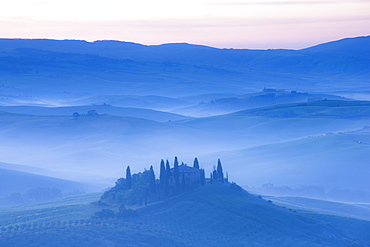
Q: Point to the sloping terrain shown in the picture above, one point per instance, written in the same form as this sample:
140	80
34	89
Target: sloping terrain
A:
354	210
105	144
12	181
101	145
286	122
100	110
216	215
268	97
48	70
332	161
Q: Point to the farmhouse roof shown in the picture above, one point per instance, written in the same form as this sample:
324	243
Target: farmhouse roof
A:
185	168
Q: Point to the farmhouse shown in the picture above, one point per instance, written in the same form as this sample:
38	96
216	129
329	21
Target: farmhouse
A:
188	175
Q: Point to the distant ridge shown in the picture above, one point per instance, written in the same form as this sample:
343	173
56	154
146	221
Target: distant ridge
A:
323	108
9	182
349	44
342	58
357	44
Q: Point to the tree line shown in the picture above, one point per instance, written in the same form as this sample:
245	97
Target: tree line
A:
144	187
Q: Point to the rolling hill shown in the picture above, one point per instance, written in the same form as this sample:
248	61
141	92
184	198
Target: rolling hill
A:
41	71
285	122
216	215
12	181
102	145
358	46
353	210
336	164
101	109
105	144
234	103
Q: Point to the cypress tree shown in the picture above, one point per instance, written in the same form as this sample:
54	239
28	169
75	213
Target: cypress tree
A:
214	173
128	178
162	175
152	180
176	174
167	178
196	163
211	178
202	177
168	170
220	173
183	182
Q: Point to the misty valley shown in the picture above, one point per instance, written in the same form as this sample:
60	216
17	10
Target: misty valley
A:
112	143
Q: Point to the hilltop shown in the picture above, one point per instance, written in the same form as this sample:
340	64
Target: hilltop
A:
60	71
215	215
19	187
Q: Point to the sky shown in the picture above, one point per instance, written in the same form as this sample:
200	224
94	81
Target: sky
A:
254	24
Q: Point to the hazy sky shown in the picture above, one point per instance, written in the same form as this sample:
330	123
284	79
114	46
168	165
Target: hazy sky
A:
219	23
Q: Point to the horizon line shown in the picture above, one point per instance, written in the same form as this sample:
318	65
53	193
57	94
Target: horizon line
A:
181	43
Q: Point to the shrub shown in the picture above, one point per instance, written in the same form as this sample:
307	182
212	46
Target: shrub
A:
104	213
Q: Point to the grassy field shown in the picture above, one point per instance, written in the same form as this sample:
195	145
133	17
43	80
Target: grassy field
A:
352	210
70	208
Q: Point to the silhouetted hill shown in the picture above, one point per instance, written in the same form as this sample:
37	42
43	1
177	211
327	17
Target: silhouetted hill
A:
101	109
12	181
360	46
214	215
24	168
175	51
268	97
176	69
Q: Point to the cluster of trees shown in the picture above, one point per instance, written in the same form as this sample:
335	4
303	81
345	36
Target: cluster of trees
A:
218	173
76	115
135	189
143	187
123	212
37	194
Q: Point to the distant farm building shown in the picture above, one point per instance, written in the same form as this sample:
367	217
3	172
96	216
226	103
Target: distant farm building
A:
92	113
189	175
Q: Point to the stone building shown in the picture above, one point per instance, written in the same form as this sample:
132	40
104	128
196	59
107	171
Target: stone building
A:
189	175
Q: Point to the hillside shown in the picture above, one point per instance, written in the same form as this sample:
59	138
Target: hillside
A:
12	181
358	46
188	53
85	143
285	122
82	111
216	215
234	103
23	168
101	109
50	71
334	165
353	210
318	109
94	145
